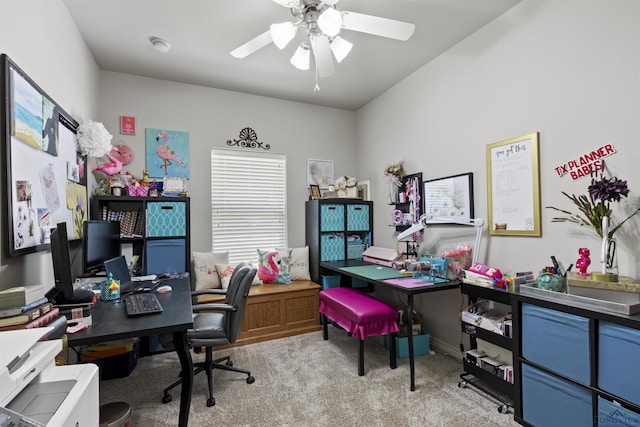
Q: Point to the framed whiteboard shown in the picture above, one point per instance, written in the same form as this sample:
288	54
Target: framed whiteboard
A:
44	175
513	186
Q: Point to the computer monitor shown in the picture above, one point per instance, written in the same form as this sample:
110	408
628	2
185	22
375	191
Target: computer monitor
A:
61	262
101	242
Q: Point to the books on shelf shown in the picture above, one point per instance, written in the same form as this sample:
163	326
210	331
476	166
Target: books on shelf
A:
26	316
42	320
131	222
72	313
20	296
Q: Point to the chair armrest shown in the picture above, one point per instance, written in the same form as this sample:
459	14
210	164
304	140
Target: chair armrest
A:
209	307
209	292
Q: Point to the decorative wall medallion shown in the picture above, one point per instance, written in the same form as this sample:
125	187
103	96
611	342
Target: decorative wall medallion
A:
248	138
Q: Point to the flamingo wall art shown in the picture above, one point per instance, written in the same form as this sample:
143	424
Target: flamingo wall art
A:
167	153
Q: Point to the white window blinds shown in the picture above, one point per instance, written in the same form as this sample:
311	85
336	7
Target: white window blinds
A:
248	203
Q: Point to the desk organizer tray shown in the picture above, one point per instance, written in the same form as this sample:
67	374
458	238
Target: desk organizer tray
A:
580	301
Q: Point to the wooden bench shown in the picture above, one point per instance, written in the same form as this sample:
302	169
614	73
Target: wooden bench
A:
361	316
277	311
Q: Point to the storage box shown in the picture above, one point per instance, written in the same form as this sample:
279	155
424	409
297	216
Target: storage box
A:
330	282
115	359
556	340
618	355
358	284
166	219
165	256
332	217
548	400
420	345
357	217
611	414
332	247
355	251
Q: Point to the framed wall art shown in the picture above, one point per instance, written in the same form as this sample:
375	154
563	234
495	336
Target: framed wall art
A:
44	175
513	186
449	197
320	173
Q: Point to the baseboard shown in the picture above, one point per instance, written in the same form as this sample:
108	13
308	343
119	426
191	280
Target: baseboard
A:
446	348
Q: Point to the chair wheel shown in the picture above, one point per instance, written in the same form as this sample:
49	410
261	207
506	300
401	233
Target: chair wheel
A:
167	398
250	380
229	363
211	401
503	409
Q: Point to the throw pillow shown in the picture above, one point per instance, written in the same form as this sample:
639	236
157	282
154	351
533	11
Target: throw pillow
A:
224	271
204	267
273	266
299	263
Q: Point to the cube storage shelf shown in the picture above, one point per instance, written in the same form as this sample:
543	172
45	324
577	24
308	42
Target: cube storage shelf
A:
159	227
337	230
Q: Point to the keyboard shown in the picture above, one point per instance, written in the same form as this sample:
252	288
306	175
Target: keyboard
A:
144	303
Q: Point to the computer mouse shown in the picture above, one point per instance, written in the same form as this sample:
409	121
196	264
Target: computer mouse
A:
164	289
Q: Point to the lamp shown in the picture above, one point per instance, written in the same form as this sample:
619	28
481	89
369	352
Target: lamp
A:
340	48
421	224
282	33
300	58
330	22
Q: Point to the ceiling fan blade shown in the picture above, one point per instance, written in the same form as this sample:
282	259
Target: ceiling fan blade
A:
252	45
375	25
322	55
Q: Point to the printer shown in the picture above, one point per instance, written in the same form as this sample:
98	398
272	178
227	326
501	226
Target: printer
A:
36	392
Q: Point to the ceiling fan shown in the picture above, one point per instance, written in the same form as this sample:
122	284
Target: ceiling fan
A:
322	23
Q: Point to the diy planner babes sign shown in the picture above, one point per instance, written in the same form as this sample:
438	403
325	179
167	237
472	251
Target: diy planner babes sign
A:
587	164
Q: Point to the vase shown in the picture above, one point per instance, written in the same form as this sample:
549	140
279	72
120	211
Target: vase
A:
393	192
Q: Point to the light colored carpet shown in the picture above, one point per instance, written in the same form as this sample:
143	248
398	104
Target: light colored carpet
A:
306	381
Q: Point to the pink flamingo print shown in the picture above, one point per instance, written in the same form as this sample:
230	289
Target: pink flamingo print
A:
110	168
270	273
165	153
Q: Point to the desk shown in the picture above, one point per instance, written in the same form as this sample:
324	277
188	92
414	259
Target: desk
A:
110	322
380	276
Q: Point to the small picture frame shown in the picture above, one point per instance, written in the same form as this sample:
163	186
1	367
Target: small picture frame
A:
315	192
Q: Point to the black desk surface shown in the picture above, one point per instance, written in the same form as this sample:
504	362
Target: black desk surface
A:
337	266
110	320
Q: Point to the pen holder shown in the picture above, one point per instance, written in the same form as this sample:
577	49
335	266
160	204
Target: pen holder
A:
551	282
110	290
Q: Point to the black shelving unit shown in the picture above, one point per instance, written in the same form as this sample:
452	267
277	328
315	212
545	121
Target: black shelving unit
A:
485	381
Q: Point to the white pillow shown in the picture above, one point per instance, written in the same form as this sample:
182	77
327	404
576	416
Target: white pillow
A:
299	263
204	267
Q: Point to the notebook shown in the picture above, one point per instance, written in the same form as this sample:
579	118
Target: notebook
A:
119	271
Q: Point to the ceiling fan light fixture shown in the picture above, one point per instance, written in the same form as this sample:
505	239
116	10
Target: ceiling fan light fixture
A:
301	57
330	22
160	45
282	33
340	48
288	3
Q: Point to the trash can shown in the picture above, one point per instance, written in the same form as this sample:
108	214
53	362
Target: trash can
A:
115	414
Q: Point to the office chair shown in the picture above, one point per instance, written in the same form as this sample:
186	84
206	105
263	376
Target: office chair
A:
215	329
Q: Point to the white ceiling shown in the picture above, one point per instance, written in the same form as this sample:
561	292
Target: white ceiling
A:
203	32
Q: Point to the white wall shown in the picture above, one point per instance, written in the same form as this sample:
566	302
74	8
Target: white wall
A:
213	116
40	37
568	69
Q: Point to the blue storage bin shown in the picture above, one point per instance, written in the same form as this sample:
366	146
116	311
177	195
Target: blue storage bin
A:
331	217
332	247
330	282
165	256
556	340
420	345
166	219
357	283
613	415
549	401
357	217
355	251
618	356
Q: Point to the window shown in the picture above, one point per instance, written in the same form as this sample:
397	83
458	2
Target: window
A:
248	203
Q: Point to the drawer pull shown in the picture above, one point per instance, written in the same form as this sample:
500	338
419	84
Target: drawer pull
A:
166	207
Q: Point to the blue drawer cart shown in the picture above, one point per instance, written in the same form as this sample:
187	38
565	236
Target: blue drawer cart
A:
337	230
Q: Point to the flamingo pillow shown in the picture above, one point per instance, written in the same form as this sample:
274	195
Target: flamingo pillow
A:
273	266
